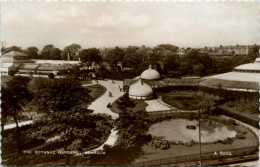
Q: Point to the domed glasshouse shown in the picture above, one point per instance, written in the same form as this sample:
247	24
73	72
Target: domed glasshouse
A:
150	74
140	90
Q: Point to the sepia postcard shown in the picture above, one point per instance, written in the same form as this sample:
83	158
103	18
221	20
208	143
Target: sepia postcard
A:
129	83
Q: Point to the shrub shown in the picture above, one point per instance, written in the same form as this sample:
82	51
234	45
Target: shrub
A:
247	120
11	73
51	75
240	136
126	88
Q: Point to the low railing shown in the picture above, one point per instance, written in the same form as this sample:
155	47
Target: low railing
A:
196	157
172	111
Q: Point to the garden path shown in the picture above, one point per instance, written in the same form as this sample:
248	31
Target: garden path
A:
100	104
110	141
157	105
10	126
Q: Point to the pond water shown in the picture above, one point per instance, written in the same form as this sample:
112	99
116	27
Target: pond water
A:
175	130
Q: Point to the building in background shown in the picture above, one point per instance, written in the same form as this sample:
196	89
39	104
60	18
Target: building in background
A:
20	63
181	51
13	60
245	77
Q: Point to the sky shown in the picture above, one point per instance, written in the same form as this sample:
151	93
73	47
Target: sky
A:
110	24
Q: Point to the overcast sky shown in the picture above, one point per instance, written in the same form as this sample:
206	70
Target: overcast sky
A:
108	24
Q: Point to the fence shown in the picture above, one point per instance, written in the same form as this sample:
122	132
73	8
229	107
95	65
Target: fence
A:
196	157
173	111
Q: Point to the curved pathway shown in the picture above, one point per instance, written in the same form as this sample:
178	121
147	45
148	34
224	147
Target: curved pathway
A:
100	104
111	140
10	126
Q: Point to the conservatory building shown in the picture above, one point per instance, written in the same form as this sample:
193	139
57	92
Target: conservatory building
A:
140	90
150	74
245	77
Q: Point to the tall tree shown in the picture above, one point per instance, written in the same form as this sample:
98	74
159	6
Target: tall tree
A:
62	95
131	50
75	72
32	52
207	105
45	53
9	102
102	72
115	55
198	69
132	125
131	59
36	84
169	47
254	51
72	52
172	62
88	56
49	52
132	133
15	98
64	103
125	104
9	49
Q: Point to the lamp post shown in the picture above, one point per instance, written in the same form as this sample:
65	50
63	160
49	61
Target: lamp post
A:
200	139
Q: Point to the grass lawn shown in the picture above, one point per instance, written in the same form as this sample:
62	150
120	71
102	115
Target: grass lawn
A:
184	100
249	109
140	105
85	82
4	79
96	90
183	103
181	93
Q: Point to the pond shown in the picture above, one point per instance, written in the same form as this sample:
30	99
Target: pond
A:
175	130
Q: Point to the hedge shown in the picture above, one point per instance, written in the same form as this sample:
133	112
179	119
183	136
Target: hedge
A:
252	122
226	94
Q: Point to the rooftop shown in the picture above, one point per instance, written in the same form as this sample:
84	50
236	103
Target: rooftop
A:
13	53
220	53
150	74
29	66
238	80
41	61
140	89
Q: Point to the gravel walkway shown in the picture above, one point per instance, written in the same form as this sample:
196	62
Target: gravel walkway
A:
100	105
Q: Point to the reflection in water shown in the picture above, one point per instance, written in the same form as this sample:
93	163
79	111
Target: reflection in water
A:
175	130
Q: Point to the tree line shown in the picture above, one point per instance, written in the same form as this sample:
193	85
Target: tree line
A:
138	58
